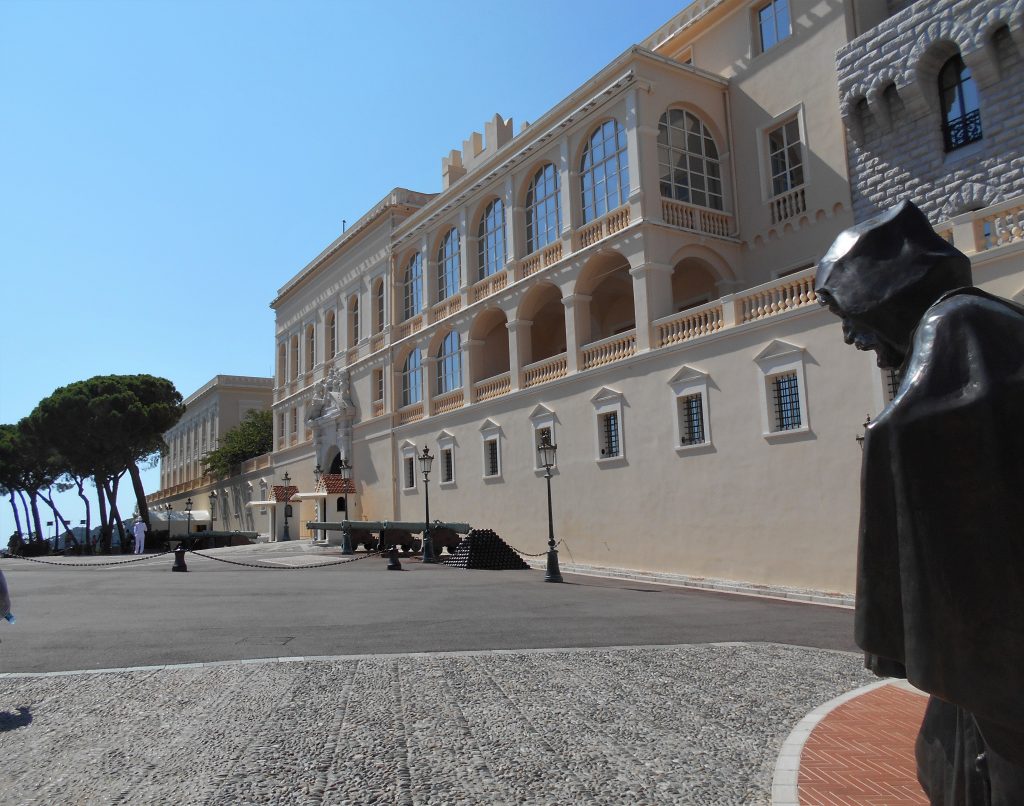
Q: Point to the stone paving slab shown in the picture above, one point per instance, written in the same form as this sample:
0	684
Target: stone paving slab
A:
686	724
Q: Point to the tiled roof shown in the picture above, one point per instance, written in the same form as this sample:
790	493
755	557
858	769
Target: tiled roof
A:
283	494
335	484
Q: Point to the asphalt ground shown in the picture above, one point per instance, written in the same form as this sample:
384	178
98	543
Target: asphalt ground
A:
143	614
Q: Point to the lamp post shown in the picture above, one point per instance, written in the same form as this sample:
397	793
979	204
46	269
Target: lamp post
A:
49	524
287	507
168	508
547	459
426	460
213	508
85	536
188	512
345	469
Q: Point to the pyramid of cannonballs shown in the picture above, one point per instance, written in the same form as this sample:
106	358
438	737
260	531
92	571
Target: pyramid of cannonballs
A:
482	548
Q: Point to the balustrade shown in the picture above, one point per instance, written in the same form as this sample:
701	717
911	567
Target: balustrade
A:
449	401
540	259
410	413
607	351
487	286
445	308
787	205
378	408
410	326
689	324
603	227
546	370
987	228
696	219
784	295
377	342
492	387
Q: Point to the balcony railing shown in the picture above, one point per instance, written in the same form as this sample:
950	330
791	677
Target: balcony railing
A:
545	370
607	351
256	463
770	299
445	308
606	225
487	286
352	355
449	401
378	408
492	387
987	228
689	324
410	413
377	342
697	219
787	205
540	259
410	326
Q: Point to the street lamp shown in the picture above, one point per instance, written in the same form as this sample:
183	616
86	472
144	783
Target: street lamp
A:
317	473
426	460
345	470
50	523
85	536
188	512
213	508
287	507
547	459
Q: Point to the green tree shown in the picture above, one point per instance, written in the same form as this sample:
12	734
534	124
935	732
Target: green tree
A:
251	437
103	427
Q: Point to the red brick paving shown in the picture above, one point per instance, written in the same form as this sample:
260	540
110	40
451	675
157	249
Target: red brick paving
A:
862	753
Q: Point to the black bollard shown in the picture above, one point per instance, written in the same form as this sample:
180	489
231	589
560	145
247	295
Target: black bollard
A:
179	558
393	563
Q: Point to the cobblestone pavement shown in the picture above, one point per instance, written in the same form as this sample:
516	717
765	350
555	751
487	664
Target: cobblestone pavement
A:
689	724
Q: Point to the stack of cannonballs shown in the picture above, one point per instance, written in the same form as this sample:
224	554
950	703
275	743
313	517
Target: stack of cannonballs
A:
483	549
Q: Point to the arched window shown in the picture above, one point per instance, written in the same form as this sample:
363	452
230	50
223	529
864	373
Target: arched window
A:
353	320
378	296
604	171
332	334
412	287
688	160
310	347
448	265
449	364
295	357
961	123
412	387
543	216
491	239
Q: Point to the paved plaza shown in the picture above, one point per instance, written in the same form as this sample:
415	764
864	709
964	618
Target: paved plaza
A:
351	684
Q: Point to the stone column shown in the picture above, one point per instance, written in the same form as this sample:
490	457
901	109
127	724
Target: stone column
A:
577	328
518	348
652	299
469	360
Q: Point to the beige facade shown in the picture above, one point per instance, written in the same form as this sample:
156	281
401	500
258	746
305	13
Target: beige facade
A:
210	412
634	272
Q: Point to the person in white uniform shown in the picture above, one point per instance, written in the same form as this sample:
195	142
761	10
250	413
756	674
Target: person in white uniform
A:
139	530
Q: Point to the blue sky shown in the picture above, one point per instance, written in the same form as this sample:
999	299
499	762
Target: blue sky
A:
166	167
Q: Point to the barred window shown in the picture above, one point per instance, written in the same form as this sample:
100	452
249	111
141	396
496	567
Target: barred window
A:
688	160
410	472
492	465
610	441
449	259
786	401
961	124
491	239
449	364
543	216
891	380
447	465
604	171
786	157
412	287
691	419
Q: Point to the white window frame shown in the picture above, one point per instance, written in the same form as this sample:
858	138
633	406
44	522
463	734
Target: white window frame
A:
758	36
764	160
542	417
407	454
608	401
781	358
490	431
445	444
686	382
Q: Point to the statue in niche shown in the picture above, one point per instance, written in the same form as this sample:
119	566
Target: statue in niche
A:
332	396
940	573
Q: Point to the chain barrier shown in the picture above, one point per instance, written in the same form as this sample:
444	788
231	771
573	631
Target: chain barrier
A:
89	565
287	567
526	554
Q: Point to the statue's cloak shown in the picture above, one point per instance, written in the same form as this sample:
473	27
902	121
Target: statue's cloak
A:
940	577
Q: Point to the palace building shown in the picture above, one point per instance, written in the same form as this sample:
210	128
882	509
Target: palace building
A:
632	275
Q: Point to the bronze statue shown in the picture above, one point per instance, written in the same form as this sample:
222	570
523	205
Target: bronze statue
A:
940	574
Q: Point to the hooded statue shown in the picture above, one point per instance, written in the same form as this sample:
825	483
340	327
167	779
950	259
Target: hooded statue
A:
940	572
